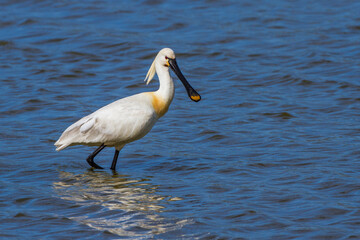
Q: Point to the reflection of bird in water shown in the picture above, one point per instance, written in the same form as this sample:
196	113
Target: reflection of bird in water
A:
128	207
130	118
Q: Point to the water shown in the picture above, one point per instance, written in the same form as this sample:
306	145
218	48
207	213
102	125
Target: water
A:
271	151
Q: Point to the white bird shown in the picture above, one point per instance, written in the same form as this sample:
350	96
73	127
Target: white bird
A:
130	118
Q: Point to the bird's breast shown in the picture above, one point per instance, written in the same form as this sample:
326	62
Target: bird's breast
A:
160	105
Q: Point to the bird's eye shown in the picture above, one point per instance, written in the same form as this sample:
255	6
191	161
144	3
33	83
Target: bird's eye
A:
166	57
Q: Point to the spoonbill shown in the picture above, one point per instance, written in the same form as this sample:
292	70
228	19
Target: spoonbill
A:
130	118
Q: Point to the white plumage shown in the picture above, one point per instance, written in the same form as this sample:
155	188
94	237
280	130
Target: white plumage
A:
130	118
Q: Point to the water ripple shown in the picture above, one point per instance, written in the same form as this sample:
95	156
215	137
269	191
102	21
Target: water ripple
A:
271	151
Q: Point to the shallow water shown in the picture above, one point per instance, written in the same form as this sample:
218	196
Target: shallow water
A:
271	151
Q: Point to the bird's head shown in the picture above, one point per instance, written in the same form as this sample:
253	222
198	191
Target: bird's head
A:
166	57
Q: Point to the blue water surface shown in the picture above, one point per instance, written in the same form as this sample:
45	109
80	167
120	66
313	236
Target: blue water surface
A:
271	151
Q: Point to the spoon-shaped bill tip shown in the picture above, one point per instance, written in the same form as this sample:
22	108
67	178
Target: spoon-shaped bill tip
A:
194	96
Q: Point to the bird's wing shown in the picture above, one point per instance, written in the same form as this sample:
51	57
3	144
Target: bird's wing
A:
122	121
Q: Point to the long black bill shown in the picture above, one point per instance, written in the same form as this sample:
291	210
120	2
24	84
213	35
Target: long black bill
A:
191	92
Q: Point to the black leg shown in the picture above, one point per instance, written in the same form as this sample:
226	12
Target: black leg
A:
90	158
113	165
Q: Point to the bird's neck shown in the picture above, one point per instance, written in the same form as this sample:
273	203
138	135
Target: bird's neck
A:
166	88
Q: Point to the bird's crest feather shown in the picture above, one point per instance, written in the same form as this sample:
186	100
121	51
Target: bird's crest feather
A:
151	73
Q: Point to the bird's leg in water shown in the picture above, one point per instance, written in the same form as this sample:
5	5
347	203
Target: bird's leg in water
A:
113	165
90	158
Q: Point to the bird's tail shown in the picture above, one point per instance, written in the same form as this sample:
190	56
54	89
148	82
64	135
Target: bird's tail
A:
60	146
